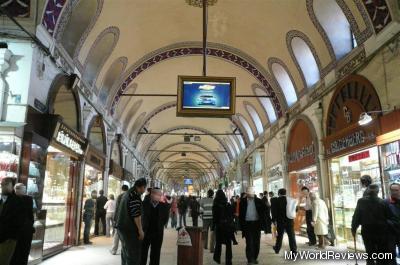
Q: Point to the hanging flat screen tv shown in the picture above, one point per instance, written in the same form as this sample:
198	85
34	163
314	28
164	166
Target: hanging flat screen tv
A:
205	96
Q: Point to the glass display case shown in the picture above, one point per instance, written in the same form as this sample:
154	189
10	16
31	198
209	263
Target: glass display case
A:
10	151
390	157
346	172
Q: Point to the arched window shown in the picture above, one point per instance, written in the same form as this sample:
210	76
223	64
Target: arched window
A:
136	125
267	104
336	26
81	17
97	134
112	75
255	117
247	127
231	149
98	54
306	61
232	140
285	82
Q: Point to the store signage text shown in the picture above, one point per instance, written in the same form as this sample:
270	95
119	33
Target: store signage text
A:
302	153
359	156
65	138
351	140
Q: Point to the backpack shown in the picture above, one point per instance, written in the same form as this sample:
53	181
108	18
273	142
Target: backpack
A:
291	205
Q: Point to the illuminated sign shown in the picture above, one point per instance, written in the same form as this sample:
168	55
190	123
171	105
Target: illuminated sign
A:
70	139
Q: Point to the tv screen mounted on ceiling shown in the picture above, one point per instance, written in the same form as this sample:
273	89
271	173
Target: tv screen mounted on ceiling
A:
206	96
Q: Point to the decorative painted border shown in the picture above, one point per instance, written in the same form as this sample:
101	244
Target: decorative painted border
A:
174	52
379	18
51	14
110	30
289	37
122	60
273	60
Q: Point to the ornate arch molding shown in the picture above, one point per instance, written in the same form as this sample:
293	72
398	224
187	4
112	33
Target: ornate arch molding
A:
361	37
238	123
273	60
254	87
248	103
98	118
156	154
223	52
63	18
110	30
124	61
155	139
289	37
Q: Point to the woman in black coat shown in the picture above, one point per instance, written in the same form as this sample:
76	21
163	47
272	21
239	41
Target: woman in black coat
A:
224	227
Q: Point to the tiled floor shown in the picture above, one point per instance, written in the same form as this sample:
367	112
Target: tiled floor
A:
98	253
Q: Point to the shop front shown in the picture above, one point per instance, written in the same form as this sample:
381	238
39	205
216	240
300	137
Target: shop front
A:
275	179
116	172
389	144
351	151
52	155
302	153
273	164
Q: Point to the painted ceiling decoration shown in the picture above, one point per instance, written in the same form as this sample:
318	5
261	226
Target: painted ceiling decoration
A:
17	8
144	54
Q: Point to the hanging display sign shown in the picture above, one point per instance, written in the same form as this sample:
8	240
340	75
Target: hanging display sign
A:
95	159
69	139
353	96
301	150
116	170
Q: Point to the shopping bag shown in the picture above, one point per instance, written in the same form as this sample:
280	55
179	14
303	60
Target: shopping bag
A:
184	238
291	208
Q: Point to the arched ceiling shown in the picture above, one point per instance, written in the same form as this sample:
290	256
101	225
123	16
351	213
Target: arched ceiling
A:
160	40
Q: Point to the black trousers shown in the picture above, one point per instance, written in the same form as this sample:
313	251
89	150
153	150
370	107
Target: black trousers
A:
100	217
374	242
23	247
155	242
253	238
195	219
288	226
310	229
222	237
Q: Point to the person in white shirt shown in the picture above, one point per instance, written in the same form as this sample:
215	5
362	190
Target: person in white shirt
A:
110	207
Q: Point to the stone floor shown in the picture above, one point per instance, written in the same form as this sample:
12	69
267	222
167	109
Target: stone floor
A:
98	253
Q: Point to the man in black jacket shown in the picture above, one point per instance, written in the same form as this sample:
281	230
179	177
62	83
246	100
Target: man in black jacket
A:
25	235
252	220
282	222
377	224
100	213
155	216
10	219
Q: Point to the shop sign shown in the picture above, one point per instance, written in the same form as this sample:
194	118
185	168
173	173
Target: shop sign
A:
302	153
116	170
275	172
70	139
359	156
347	142
95	159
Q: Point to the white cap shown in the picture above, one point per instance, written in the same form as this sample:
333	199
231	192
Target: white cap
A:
251	190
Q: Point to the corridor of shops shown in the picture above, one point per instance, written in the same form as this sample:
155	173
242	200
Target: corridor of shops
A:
258	117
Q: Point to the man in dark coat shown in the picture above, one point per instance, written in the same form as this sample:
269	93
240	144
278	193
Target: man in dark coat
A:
195	211
282	222
100	213
377	222
394	204
88	214
155	216
252	221
25	235
267	212
10	219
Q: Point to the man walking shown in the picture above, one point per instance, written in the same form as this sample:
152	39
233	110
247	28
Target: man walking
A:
206	205
375	217
10	220
155	216
282	222
88	214
114	247
25	235
312	239
100	213
252	222
195	211
129	223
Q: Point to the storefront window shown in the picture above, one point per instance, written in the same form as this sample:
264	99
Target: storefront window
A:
93	180
346	172
306	177
390	154
55	196
10	150
275	185
258	185
114	186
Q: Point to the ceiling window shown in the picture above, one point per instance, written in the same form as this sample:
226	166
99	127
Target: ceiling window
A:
111	77
255	117
247	127
306	60
336	26
285	82
267	104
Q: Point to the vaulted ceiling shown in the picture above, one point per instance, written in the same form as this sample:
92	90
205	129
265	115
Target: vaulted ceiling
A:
281	48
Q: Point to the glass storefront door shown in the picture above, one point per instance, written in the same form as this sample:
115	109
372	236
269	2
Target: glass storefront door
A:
346	172
59	177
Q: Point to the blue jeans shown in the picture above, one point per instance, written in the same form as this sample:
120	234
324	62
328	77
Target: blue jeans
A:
87	220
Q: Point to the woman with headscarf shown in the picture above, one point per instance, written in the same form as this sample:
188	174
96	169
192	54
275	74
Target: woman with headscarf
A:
224	227
320	218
